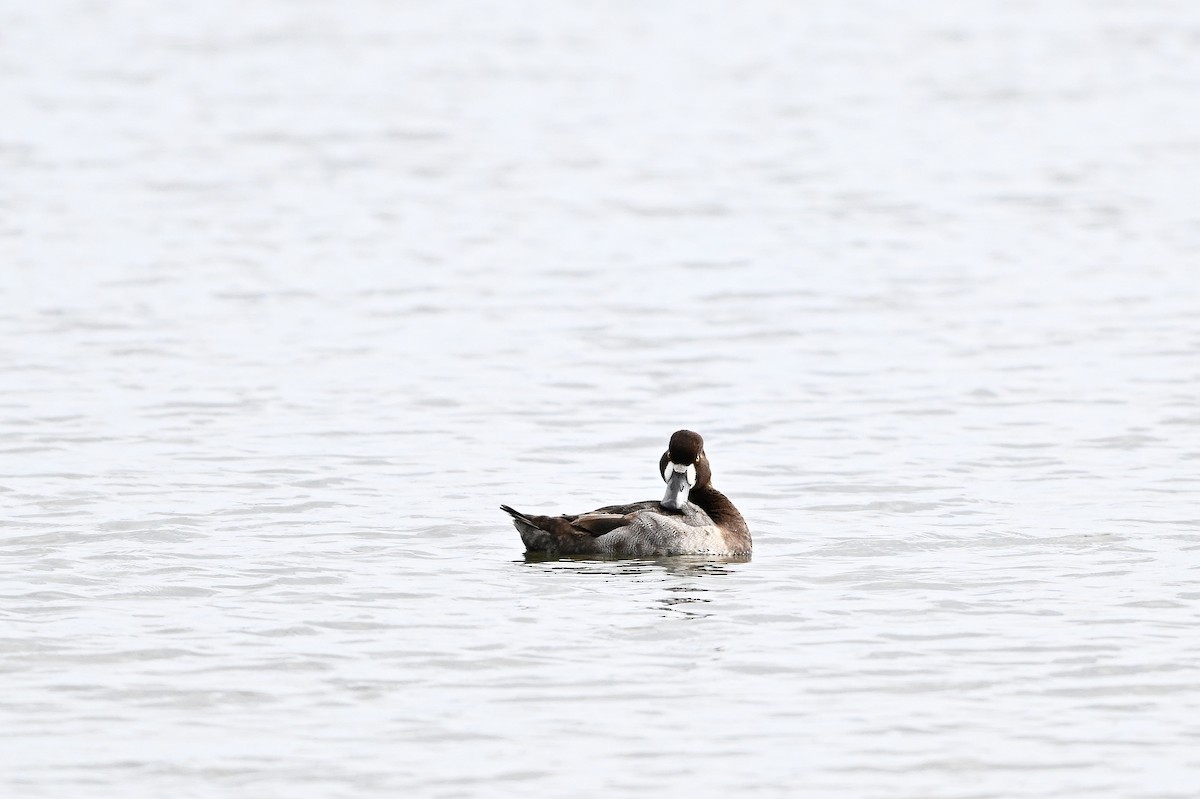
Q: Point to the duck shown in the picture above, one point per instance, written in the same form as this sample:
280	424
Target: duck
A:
693	518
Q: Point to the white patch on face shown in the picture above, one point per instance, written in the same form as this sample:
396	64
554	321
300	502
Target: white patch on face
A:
689	472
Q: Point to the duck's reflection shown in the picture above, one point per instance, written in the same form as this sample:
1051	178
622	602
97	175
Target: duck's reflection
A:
686	598
685	601
679	564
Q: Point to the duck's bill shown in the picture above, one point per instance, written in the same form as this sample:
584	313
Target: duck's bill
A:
677	491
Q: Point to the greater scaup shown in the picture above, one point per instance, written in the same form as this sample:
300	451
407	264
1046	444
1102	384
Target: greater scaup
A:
693	518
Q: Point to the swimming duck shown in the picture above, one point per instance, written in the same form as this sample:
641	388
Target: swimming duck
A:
693	518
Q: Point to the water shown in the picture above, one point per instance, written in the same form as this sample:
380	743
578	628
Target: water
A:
296	294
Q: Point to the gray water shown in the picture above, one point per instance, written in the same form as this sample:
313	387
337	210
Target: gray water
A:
296	294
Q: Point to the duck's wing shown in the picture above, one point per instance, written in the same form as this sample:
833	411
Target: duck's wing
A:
597	523
633	507
574	534
557	535
604	520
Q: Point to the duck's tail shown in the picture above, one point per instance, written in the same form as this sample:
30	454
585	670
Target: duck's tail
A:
551	534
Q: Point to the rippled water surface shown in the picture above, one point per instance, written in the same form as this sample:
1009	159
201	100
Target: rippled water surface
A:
296	294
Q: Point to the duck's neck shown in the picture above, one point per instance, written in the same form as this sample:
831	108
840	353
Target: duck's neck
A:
719	508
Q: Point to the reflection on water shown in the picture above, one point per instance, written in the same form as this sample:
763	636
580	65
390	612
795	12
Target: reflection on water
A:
295	295
682	564
659	574
686	601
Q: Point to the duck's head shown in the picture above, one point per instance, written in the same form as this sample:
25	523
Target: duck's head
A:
683	467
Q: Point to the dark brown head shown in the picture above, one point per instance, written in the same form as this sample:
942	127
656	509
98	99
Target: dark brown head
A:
683	467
